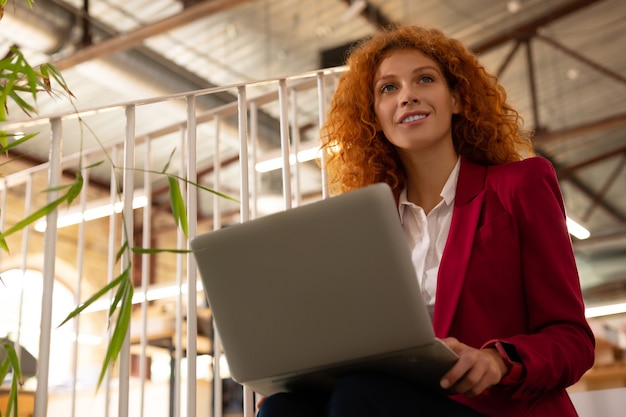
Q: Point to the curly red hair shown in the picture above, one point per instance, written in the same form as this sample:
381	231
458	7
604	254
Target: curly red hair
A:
488	130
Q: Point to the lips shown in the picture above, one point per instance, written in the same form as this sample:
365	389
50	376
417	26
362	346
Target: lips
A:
409	118
413	118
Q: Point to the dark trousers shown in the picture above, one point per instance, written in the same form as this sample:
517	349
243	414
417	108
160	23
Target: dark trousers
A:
366	395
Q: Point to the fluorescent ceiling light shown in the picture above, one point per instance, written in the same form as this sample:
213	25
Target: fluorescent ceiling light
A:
87	339
513	6
277	163
605	310
577	230
93	210
152	294
574	228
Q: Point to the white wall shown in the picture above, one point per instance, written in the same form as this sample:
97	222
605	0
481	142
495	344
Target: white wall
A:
601	403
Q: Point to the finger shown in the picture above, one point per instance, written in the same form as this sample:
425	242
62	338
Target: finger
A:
472	384
483	374
457	372
452	343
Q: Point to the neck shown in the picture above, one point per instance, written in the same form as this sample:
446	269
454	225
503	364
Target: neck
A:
426	178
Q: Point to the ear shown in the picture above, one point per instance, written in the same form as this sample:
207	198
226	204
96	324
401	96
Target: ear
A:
456	103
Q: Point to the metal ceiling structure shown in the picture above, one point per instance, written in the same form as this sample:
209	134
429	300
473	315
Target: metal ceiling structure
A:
562	62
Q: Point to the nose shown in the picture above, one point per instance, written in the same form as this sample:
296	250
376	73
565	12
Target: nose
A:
409	96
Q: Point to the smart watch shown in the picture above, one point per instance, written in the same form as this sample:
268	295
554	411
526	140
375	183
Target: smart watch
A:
511	359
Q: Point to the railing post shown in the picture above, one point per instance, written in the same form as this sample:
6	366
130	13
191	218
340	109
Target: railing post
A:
192	217
295	142
111	255
128	191
321	103
217	224
242	106
284	141
175	407
50	238
217	170
254	138
80	257
146	270
255	112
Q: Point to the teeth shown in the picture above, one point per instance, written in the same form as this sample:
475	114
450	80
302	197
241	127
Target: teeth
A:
413	118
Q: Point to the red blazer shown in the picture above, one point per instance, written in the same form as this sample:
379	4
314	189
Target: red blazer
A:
508	272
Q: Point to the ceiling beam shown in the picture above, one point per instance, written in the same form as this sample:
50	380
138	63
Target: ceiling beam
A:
611	122
574	54
601	194
565	172
131	39
614	238
527	30
373	14
609	209
522	34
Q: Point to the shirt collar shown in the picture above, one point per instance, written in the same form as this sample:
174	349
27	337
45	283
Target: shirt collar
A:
447	193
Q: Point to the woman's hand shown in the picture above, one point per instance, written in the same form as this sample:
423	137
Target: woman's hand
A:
475	371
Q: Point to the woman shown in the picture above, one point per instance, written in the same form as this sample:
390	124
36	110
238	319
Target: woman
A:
486	228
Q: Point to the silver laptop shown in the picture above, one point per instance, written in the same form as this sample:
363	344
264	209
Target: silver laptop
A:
304	296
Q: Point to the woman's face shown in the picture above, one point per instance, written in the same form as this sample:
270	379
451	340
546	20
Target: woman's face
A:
412	102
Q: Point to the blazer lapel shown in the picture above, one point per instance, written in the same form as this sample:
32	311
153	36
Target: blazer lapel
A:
467	207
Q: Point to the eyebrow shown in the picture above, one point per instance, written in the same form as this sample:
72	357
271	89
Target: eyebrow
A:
416	70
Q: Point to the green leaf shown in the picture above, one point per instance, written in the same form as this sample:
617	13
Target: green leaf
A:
75	188
45	78
26	108
202	187
119	333
12	403
169	161
49	70
5	366
95	164
29	2
33	217
61	187
3	243
32	76
120	252
178	205
13	361
104	290
8	146
4	94
217	193
120	292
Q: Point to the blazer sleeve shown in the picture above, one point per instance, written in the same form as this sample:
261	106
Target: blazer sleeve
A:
559	346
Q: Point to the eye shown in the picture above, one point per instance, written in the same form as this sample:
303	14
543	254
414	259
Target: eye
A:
387	88
426	79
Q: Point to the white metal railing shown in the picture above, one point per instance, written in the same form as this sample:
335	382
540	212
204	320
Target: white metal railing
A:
84	259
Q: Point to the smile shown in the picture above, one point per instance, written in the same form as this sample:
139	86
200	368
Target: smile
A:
413	118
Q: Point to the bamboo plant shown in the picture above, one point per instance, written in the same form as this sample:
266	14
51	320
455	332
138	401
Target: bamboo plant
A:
21	84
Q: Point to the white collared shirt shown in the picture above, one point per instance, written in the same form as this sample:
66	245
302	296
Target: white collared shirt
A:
427	234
